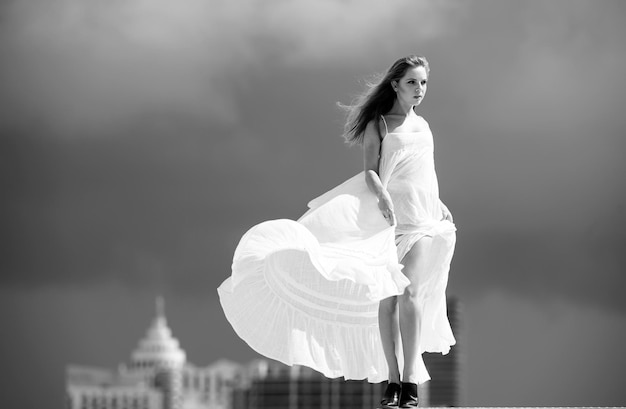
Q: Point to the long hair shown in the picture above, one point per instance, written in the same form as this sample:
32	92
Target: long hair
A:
377	99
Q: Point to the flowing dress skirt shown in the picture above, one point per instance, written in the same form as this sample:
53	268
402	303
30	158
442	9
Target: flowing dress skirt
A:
306	292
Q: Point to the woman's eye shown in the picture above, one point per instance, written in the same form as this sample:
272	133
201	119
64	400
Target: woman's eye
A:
411	82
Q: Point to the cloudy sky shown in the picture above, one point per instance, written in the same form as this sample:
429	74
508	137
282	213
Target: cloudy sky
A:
139	139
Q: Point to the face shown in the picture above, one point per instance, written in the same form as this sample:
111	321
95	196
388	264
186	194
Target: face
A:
411	88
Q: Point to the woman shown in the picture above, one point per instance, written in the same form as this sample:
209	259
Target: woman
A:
327	291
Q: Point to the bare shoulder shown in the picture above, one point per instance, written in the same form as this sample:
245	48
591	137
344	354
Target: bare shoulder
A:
420	118
423	122
372	135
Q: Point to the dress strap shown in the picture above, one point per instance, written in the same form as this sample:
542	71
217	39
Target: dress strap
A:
385	122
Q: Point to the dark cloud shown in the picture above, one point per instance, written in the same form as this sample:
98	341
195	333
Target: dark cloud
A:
83	64
542	353
139	140
139	147
583	267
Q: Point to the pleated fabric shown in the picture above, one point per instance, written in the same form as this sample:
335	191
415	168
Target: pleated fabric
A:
306	292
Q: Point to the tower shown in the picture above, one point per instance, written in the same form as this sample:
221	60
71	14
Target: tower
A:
158	376
159	359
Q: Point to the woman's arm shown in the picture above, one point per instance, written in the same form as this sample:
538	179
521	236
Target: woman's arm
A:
447	215
371	158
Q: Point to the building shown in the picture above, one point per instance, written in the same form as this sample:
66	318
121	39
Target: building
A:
269	384
158	376
447	386
90	388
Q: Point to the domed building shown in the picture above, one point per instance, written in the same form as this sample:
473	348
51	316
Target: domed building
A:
158	349
158	376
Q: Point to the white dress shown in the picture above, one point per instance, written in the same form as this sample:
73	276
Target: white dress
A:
306	292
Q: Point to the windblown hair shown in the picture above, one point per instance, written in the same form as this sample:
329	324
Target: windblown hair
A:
378	99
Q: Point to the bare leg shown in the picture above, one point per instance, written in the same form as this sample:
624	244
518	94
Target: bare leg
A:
389	335
410	315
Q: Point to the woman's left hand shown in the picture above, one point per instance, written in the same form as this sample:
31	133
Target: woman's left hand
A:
446	213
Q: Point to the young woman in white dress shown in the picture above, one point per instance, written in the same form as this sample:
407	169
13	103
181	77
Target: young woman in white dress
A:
409	198
355	288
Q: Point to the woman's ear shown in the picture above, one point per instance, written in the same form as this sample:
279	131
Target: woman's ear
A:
394	85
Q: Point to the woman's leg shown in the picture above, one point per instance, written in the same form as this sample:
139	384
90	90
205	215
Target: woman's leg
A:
415	263
389	335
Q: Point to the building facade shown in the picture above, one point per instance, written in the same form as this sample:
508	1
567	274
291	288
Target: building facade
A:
447	372
158	376
269	384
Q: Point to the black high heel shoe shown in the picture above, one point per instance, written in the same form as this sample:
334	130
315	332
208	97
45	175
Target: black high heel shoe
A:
408	397
391	397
